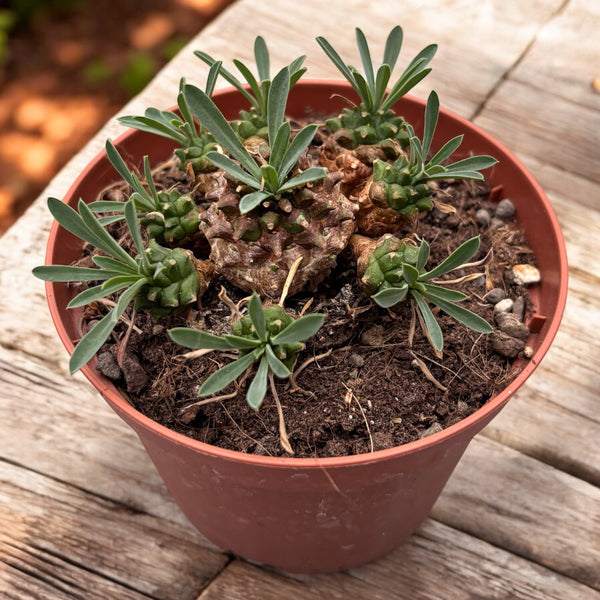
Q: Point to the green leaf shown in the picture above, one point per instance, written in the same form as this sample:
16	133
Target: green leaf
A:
432	111
127	297
364	91
251	201
119	164
153	126
226	164
270	179
225	375
198	340
390	296
258	388
134	230
63	273
205	110
257	316
446	150
464	316
393	45
436	292
278	94
100	206
211	81
410	274
275	364
423	255
91	342
299	330
311	174
103	240
433	329
150	182
101	291
261	55
338	62
459	257
254	84
110	264
280	146
365	57
383	77
473	163
242	343
299	144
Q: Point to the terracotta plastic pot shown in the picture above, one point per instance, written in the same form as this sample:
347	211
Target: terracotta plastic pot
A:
321	515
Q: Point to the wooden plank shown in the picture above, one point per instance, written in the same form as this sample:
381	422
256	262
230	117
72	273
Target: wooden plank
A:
528	508
568	44
564	134
438	562
68	432
66	538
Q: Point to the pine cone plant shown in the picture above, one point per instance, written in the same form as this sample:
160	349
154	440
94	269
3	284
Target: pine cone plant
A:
277	213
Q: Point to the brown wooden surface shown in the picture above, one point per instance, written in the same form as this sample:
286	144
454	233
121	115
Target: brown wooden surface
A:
83	513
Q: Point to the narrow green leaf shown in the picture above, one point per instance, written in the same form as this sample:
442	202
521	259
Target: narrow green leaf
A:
107	263
257	316
225	375
410	274
460	256
261	56
278	367
254	84
101	206
241	343
390	296
423	255
134	230
104	241
436	292
109	287
456	175
205	110
150	182
258	388
393	45
270	179
466	317
127	297
473	163
365	57
91	342
295	66
338	62
433	328
311	174
280	146
119	164
197	340
227	75
251	201
364	91
299	330
446	150
211	80
299	144
383	77
432	111
153	126
278	94
63	273
226	164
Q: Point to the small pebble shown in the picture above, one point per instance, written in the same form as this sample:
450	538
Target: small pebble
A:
518	308
356	360
495	295
525	274
373	336
510	324
431	430
108	366
505	209
528	351
483	217
505	345
504	306
135	376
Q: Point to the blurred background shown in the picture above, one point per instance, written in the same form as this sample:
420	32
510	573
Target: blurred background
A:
66	66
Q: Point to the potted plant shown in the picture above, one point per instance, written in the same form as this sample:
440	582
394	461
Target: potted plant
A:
278	216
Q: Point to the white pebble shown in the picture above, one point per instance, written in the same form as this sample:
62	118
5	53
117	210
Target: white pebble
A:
504	306
526	274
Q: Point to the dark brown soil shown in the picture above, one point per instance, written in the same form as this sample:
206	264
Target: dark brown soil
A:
372	390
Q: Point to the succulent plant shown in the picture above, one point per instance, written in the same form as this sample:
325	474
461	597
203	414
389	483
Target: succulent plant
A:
194	140
373	121
405	186
277	212
391	270
168	216
161	279
269	335
254	122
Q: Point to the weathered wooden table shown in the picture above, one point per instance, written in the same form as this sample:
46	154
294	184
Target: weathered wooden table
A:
83	513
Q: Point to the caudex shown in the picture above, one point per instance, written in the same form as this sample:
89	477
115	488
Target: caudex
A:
278	213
